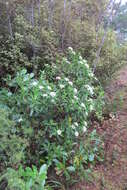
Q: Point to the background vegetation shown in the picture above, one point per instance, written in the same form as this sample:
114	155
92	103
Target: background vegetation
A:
50	94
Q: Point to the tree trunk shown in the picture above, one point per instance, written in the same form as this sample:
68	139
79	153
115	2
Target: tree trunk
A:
102	14
50	17
9	21
32	13
66	17
104	36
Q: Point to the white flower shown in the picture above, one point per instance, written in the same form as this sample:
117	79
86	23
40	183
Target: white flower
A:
66	79
83	105
76	124
25	88
91	74
90	100
54	66
35	83
59	132
87	66
84	129
76	133
53	94
75	90
85	123
49	88
80	57
68	62
52	101
70	48
73	101
65	59
81	62
84	61
87	86
112	115
91	107
41	87
25	79
70	83
58	78
62	86
76	97
9	94
20	120
90	89
86	113
45	95
73	126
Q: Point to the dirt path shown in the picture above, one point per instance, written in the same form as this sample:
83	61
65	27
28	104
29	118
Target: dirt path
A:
112	174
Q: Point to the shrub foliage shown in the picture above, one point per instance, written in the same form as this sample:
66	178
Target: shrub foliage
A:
50	117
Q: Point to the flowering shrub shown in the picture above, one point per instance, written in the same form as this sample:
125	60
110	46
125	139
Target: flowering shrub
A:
54	115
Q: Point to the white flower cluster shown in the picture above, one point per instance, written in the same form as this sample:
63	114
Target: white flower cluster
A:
35	83
76	133
59	132
75	91
65	60
68	80
87	66
62	86
81	62
49	88
90	89
71	50
45	95
76	98
20	120
41	87
84	62
91	74
91	104
85	126
91	107
83	105
75	125
53	94
58	78
80	58
9	94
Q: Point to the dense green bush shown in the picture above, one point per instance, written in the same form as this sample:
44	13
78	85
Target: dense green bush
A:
30	51
42	44
112	57
11	147
11	59
52	114
25	179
